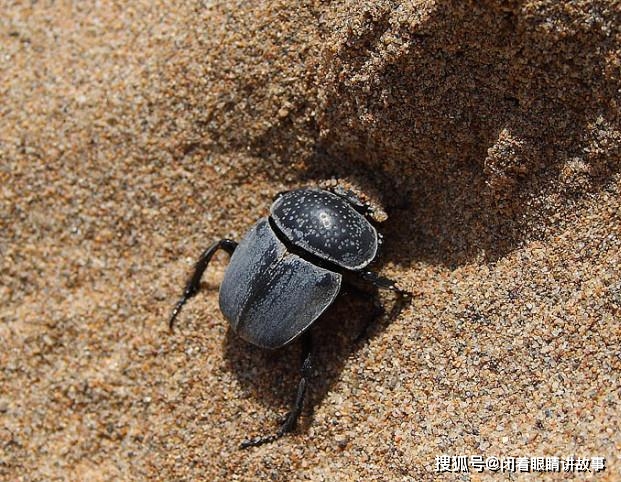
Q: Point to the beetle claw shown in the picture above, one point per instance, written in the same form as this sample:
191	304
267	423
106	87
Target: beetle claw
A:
258	441
175	312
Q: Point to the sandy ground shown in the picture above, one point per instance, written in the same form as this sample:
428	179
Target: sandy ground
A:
133	135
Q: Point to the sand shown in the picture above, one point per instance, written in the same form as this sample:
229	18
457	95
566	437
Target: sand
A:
132	136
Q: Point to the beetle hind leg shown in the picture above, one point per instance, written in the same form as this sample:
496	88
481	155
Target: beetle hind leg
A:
191	287
292	417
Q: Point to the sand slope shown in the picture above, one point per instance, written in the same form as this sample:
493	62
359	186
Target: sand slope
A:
131	136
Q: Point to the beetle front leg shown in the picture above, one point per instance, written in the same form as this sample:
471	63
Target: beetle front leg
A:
191	287
292	417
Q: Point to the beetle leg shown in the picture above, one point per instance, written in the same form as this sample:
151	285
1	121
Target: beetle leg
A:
383	283
292	417
377	311
351	286
191	287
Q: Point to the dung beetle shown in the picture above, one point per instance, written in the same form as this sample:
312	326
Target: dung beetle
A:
289	268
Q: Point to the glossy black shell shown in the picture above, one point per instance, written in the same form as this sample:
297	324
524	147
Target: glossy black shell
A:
270	295
326	226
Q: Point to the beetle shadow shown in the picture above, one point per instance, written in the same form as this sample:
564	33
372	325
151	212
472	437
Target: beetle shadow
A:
271	377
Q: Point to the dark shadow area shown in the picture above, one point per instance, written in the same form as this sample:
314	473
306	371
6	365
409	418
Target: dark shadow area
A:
463	118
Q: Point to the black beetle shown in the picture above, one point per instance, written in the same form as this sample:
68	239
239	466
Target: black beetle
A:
289	268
